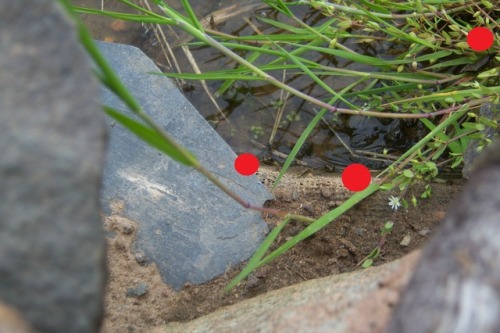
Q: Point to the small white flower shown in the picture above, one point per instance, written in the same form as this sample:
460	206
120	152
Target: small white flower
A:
394	202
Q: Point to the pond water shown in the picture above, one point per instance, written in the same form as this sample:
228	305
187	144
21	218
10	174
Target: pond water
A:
246	113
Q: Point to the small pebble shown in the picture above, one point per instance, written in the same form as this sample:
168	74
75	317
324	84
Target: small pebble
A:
294	230
124	226
405	241
120	245
348	245
252	282
424	232
165	293
140	257
360	231
308	208
326	192
140	290
127	229
334	204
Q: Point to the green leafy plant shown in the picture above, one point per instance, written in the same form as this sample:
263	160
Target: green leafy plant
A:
370	258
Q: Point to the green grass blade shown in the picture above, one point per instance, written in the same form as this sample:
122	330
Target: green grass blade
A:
284	26
192	15
435	132
316	79
261	251
314	227
375	91
149	136
279	6
124	16
228	83
322	222
356	57
305	134
211	76
298	145
454	146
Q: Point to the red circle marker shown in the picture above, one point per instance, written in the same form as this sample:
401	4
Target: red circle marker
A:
480	39
356	177
246	164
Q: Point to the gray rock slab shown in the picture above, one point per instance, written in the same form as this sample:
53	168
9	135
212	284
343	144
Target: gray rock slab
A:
52	140
186	225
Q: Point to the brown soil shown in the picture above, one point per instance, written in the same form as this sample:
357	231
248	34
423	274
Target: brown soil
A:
337	248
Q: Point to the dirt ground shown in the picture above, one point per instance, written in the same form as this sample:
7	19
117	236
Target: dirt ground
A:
337	248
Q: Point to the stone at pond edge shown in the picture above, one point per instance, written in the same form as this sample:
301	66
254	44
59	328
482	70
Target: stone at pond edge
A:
52	140
186	225
354	302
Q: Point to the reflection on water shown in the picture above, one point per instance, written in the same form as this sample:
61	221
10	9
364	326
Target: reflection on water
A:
248	112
